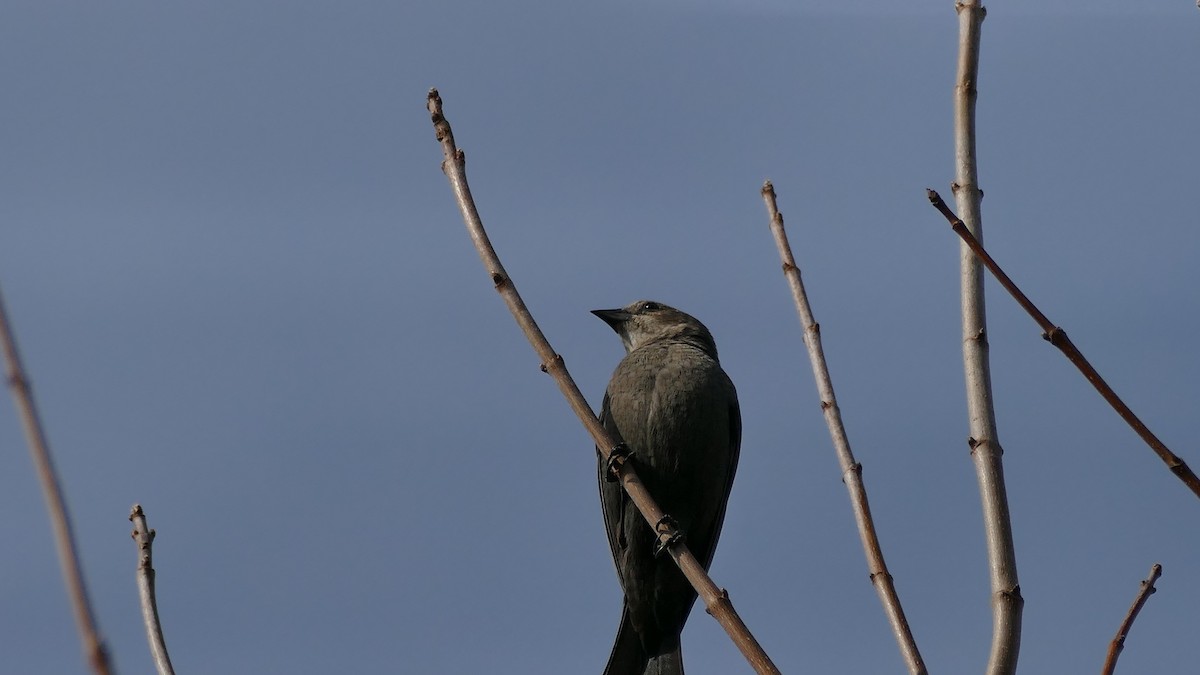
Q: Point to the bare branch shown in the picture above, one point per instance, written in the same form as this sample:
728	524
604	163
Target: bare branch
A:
716	600
851	470
143	536
1118	642
984	439
1058	337
68	558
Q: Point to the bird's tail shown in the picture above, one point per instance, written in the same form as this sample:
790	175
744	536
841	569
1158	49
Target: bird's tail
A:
629	658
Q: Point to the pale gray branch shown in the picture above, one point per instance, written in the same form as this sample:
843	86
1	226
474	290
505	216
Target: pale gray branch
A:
56	503
984	439
716	600
851	469
143	537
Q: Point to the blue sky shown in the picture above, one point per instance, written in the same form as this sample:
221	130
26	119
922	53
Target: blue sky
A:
247	301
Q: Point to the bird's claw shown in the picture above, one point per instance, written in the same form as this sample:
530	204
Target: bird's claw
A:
620	454
668	533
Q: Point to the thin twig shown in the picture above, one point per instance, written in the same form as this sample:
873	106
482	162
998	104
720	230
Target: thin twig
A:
1118	642
851	470
56	503
986	451
143	536
1058	337
716	600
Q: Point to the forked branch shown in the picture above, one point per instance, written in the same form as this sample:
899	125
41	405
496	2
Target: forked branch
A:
715	599
56	503
1058	337
851	469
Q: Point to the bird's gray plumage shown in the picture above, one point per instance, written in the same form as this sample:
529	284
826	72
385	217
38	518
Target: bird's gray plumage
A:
671	403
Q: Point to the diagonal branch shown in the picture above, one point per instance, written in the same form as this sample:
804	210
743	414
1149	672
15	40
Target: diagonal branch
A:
1058	337
56	503
986	451
716	600
143	536
851	470
1118	642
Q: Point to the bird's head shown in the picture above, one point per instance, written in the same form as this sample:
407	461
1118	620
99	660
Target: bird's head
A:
647	321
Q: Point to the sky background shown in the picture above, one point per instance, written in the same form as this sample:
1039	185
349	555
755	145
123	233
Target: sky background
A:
247	301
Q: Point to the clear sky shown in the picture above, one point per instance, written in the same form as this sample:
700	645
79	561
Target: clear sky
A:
247	301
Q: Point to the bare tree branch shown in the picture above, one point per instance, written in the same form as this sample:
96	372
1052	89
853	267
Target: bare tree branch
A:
716	600
984	440
851	470
1058	337
56	503
1118	642
143	537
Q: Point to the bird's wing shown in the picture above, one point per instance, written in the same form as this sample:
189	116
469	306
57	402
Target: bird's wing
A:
735	451
612	495
735	441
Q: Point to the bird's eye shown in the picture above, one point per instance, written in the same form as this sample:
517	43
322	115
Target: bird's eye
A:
650	306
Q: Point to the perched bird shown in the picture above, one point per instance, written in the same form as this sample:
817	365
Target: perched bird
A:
677	411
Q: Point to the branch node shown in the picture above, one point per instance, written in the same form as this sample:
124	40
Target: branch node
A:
722	599
960	6
856	469
556	363
1055	336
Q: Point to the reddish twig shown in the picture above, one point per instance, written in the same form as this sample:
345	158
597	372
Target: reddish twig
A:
716	600
56	503
1118	642
1058	337
851	469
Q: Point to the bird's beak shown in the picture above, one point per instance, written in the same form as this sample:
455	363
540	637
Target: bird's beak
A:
615	318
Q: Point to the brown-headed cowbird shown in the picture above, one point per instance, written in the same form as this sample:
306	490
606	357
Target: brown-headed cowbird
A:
677	411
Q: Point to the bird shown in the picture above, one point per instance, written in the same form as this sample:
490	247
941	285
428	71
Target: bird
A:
670	403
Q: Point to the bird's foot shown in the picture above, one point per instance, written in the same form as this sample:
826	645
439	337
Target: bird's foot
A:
668	533
620	454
